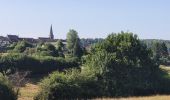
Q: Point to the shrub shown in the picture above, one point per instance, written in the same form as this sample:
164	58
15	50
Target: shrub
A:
35	64
68	85
7	91
47	50
22	46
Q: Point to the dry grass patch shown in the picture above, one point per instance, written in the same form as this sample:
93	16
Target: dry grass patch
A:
156	97
28	91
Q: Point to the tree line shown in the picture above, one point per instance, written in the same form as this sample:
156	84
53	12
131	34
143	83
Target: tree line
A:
119	65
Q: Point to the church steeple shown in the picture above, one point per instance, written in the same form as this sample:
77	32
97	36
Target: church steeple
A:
51	33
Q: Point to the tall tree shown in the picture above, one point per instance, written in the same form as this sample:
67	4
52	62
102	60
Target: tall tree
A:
77	50
72	36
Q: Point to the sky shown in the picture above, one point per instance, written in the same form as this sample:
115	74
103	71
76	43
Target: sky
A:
149	19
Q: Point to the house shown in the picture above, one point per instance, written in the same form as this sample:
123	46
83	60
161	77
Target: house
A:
31	40
13	38
4	41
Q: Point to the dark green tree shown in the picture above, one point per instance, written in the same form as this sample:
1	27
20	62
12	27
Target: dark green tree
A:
164	50
123	63
77	50
60	48
160	52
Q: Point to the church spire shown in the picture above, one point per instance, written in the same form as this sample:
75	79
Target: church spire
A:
51	33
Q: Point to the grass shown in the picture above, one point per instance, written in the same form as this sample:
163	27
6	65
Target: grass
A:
30	89
166	68
156	97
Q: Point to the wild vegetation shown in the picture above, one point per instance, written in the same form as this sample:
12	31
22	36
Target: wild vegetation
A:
120	65
7	91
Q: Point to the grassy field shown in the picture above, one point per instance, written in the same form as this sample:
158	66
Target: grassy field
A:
30	89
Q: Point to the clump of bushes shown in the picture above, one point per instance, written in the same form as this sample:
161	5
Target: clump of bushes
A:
68	85
7	92
20	47
47	50
119	66
35	64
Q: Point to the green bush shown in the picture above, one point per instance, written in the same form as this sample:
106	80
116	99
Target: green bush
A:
22	46
68	85
35	64
47	50
7	91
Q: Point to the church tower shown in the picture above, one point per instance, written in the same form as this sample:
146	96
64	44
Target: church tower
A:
51	33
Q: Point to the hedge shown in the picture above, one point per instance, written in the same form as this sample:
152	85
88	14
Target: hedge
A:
36	64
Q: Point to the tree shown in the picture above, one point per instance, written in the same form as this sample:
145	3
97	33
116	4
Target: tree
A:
77	50
156	49
73	43
123	63
72	36
164	50
60	48
160	52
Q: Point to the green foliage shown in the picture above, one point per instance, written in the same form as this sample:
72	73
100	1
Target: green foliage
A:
77	50
149	42
121	65
164	50
60	48
12	46
47	50
35	64
72	36
74	44
21	46
7	63
7	91
68	85
160	52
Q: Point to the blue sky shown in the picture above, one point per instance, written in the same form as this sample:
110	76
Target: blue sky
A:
91	18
